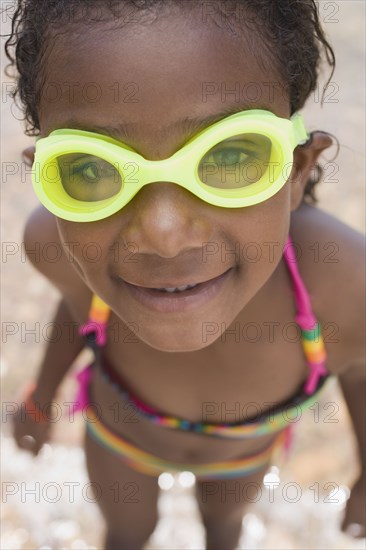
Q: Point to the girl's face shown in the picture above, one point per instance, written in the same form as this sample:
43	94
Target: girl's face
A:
142	85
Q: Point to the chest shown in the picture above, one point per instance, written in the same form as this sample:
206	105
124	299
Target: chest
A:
253	365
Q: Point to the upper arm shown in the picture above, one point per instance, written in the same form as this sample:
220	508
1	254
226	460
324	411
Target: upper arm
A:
44	250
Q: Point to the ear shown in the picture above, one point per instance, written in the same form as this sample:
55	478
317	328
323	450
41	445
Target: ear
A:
305	157
28	155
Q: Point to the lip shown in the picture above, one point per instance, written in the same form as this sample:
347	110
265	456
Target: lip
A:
165	302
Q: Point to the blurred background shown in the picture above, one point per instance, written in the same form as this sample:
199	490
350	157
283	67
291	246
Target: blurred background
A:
323	452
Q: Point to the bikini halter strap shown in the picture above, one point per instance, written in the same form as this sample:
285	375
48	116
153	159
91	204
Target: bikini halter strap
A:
95	329
312	340
305	317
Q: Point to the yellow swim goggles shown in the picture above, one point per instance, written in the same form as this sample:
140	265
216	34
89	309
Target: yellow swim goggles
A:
239	161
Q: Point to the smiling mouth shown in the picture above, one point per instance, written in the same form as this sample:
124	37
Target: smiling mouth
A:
169	288
176	289
174	299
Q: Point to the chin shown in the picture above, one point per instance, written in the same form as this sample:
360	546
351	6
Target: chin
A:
176	341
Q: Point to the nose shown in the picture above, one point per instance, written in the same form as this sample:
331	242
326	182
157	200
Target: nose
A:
165	219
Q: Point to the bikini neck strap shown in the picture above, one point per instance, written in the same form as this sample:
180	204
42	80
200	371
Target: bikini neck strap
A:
95	329
305	317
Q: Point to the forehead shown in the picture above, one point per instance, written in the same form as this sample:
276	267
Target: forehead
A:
151	80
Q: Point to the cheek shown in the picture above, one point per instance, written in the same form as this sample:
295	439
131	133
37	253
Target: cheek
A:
266	222
83	245
66	230
261	232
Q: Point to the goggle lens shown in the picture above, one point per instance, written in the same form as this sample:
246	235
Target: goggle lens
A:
236	162
87	177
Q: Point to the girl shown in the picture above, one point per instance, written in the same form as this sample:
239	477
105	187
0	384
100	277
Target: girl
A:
170	143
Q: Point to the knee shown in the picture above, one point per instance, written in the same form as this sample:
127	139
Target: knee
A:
222	499
132	537
222	505
223	532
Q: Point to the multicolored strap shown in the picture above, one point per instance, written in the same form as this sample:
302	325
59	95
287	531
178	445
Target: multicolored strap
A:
314	350
83	379
269	422
312	340
150	464
97	323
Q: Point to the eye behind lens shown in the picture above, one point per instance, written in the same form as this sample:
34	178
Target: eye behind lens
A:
236	162
88	178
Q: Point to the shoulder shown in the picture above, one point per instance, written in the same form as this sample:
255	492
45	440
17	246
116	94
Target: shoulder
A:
46	253
322	239
332	264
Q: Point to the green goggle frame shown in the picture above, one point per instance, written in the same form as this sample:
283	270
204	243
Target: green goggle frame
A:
241	160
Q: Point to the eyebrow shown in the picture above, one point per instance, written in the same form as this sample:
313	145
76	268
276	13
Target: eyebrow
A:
187	125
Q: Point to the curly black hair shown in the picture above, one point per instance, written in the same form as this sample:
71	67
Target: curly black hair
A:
290	31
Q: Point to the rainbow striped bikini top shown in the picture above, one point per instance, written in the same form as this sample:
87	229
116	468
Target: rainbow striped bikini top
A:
272	420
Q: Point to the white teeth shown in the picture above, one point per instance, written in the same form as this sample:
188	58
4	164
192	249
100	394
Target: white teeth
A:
178	288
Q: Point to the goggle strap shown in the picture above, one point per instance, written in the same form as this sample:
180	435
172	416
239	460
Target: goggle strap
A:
300	134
